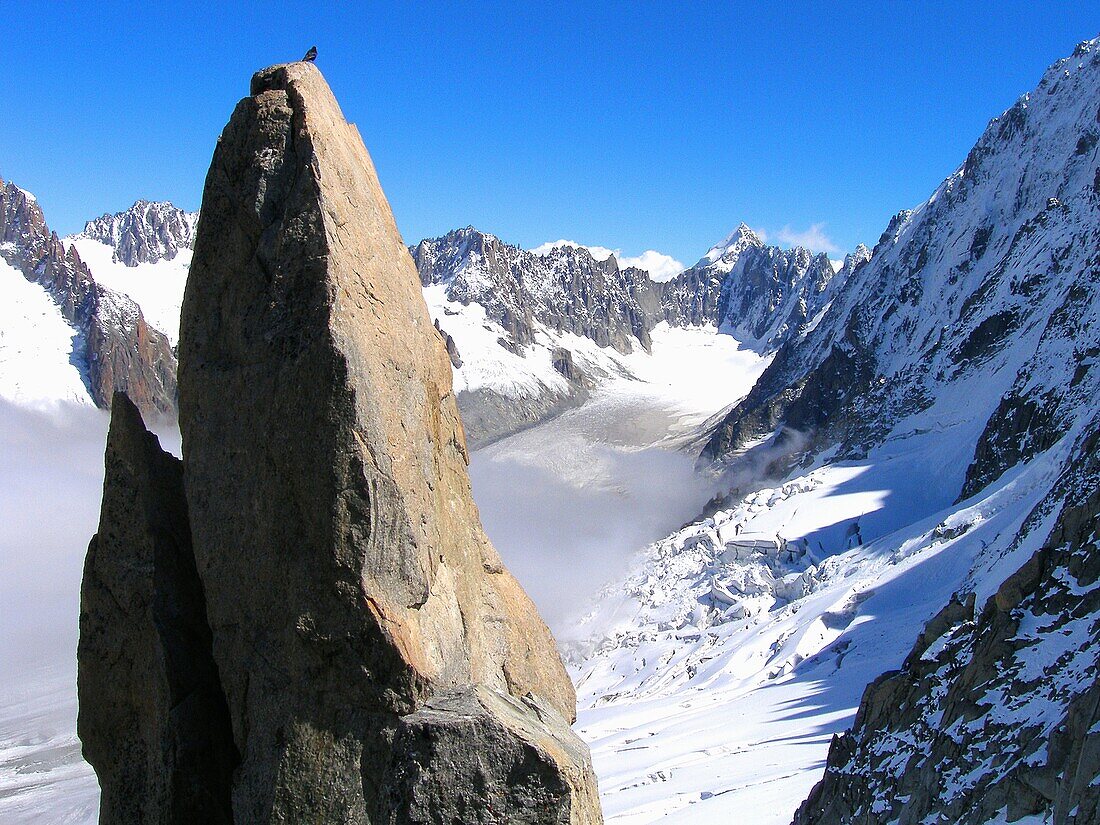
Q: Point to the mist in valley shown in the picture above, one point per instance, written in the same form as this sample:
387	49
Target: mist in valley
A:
565	537
565	514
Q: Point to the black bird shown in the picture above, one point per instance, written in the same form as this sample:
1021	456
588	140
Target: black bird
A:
311	55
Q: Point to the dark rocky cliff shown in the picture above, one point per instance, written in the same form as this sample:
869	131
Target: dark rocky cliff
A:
153	718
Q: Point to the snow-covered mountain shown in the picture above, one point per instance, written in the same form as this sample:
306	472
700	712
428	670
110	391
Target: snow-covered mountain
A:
530	333
522	324
143	253
533	332
759	294
922	450
109	346
147	232
564	288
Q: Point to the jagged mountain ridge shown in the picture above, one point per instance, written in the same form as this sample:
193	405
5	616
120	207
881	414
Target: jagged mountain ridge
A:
543	311
566	290
116	350
757	293
147	232
546	305
951	287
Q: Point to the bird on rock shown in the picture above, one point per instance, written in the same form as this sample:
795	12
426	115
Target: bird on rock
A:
311	55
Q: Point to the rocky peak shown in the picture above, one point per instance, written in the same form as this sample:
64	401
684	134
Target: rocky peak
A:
566	289
730	249
144	632
21	220
856	258
119	351
147	232
760	294
381	666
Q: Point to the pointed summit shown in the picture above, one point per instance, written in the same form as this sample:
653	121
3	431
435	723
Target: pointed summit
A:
325	464
733	245
857	257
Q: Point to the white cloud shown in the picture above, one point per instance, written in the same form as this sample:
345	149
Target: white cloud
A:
836	264
600	253
661	267
813	238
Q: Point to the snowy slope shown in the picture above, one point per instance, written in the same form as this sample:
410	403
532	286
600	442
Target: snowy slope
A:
39	350
712	678
157	286
920	427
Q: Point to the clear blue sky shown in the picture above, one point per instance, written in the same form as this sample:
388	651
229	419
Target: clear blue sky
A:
630	125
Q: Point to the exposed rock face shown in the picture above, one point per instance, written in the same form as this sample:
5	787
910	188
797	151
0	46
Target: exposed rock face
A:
992	717
436	776
452	347
349	583
762	295
566	290
563	363
118	351
147	232
153	720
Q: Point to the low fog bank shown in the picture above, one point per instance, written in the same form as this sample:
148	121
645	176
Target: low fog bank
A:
566	515
566	528
51	477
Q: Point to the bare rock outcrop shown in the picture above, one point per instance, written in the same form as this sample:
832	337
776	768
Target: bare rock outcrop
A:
147	232
350	587
153	720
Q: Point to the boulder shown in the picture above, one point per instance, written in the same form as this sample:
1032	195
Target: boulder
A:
476	755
